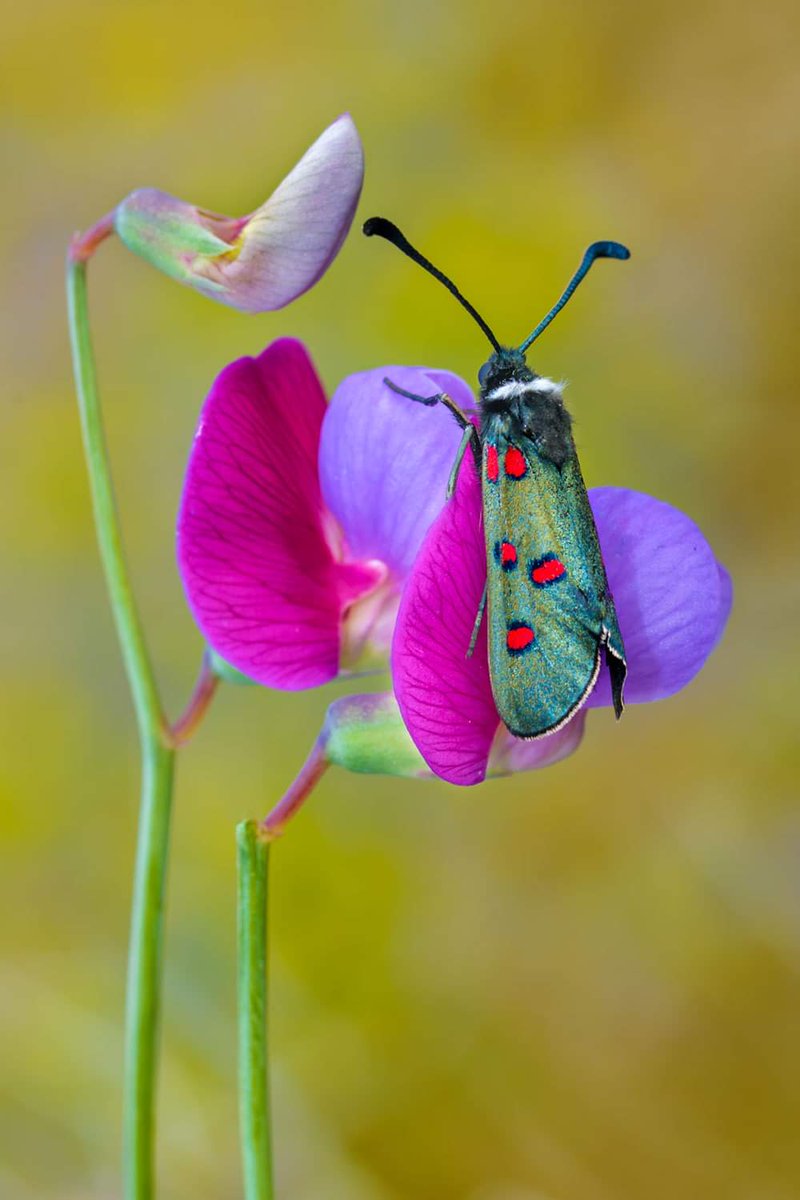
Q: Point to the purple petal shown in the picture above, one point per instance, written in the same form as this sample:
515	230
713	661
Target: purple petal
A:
445	698
671	594
385	460
259	573
510	754
292	239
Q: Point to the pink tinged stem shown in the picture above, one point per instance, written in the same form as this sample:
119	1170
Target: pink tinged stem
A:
181	730
309	776
83	245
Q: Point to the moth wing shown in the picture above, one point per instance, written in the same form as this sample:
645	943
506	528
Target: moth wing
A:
549	612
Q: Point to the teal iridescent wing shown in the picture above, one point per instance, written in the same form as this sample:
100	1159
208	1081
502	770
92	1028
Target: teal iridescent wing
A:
549	610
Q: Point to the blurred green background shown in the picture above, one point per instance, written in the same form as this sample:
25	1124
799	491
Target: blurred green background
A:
576	985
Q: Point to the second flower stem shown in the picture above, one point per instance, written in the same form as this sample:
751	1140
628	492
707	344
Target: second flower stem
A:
254	1116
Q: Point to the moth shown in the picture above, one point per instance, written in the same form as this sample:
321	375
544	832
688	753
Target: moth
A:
549	610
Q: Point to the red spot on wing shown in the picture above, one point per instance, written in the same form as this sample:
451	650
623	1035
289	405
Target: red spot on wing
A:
515	463
492	465
548	571
519	638
508	554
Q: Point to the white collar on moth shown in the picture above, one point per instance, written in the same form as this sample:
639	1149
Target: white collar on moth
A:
518	387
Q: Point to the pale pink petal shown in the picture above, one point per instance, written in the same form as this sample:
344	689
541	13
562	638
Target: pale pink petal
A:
510	754
290	241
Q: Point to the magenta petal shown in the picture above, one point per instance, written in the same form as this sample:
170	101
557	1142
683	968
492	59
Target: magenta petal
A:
258	571
385	460
671	594
445	698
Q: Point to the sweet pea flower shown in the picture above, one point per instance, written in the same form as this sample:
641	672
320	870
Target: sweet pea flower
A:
302	524
299	521
671	595
269	258
299	524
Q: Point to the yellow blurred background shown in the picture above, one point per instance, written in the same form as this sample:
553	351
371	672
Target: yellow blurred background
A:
582	984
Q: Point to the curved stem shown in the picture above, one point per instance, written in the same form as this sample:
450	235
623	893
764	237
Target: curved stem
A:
147	905
141	678
180	731
83	245
254	1109
307	779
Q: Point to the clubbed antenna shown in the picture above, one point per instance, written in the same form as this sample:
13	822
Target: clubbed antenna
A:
596	250
380	227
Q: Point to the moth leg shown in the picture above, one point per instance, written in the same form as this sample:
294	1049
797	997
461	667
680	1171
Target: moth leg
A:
469	432
461	417
477	626
427	400
470	435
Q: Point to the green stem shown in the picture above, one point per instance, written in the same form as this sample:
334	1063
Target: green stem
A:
147	906
254	1117
143	997
139	670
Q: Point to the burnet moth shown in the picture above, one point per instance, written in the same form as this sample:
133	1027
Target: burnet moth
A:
549	609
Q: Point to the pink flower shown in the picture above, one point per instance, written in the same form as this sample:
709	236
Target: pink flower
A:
671	595
300	521
302	524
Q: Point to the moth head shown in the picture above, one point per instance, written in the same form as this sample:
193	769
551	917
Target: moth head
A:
506	365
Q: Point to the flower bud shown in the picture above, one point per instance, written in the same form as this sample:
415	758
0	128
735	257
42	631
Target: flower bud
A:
269	258
366	734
